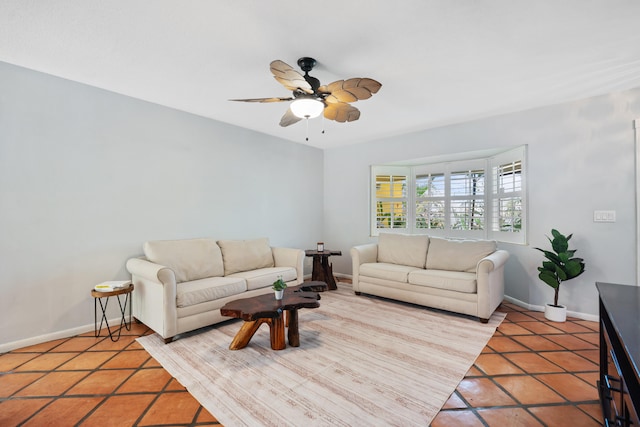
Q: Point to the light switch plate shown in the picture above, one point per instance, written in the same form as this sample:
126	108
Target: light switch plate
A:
604	216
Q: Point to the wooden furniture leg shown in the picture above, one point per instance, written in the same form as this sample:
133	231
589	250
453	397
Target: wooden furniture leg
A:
293	331
328	272
245	334
276	332
323	271
249	328
317	273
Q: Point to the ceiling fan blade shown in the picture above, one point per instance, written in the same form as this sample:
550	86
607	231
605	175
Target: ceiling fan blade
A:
341	112
350	90
262	99
289	78
341	96
289	118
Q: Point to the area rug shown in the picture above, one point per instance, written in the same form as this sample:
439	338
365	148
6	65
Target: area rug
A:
362	361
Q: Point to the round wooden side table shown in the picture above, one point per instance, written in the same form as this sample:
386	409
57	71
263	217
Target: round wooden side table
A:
99	296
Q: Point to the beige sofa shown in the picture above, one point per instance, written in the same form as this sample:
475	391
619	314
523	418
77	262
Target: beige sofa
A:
462	276
180	285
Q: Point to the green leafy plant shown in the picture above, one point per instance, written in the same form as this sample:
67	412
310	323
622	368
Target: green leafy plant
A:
279	284
560	265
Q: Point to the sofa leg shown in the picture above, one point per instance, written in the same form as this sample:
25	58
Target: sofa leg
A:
484	320
358	293
168	340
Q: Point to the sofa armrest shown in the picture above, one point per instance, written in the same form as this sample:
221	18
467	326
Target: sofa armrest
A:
493	261
490	279
154	297
289	257
148	270
361	254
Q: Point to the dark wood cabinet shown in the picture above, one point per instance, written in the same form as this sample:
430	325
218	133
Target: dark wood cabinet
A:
619	384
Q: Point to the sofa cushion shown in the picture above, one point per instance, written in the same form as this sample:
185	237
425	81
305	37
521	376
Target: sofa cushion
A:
458	255
459	281
190	259
245	255
403	249
204	290
263	277
381	270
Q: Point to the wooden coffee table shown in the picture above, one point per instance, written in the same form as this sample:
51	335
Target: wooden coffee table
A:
266	309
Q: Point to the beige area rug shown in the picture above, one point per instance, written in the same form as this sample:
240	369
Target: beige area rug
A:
361	361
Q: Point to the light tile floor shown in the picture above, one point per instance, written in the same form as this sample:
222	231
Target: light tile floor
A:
531	373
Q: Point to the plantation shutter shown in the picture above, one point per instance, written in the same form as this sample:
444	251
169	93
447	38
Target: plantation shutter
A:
508	196
430	192
389	194
467	199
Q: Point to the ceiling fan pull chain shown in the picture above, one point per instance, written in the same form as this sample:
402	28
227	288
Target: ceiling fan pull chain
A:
307	120
323	124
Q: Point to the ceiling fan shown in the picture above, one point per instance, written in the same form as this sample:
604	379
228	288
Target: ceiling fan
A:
310	99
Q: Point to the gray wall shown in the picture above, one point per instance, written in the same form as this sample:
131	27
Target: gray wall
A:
86	176
581	159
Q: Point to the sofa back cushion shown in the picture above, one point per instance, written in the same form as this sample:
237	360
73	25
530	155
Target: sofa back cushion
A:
245	255
458	255
190	259
403	249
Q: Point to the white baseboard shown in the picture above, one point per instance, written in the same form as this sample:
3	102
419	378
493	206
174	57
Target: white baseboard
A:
67	333
583	316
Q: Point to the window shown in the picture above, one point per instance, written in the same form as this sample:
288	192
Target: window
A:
467	199
508	198
391	199
472	198
430	201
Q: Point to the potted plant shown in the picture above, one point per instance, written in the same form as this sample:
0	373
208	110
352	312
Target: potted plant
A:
559	266
278	287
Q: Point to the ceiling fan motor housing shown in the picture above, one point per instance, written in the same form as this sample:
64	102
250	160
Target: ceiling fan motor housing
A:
306	64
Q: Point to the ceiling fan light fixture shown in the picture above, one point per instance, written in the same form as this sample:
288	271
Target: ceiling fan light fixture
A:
310	98
307	108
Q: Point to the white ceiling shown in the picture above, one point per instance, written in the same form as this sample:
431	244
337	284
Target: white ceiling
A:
439	62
